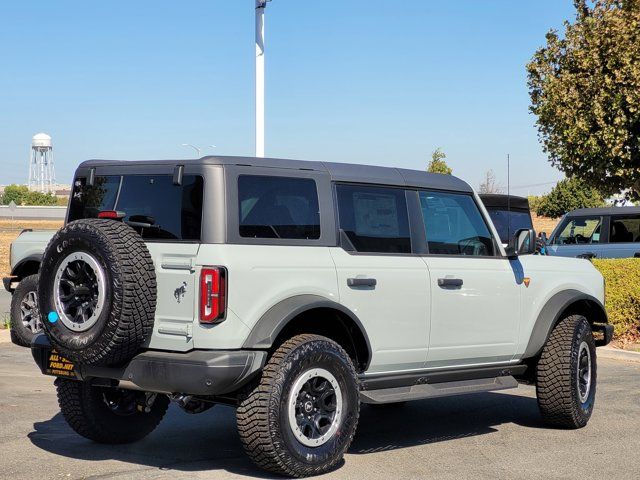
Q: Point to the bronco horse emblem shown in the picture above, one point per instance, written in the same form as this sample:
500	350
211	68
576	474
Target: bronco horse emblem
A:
180	292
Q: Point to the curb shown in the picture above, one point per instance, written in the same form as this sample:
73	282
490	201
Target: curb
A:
618	354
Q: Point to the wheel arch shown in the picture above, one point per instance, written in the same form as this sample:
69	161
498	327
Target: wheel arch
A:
312	314
27	266
560	305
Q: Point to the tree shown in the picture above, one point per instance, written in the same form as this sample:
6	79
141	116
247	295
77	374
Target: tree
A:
38	198
437	163
21	195
489	184
585	92
14	193
568	194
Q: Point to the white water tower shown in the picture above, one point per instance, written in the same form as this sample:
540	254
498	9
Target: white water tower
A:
41	172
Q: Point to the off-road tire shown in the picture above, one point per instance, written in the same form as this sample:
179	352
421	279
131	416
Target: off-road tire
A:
85	410
262	420
557	375
126	320
20	334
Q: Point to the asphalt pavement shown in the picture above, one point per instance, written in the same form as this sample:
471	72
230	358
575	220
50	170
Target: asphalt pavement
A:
480	436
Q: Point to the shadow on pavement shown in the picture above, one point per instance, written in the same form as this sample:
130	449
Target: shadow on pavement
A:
209	441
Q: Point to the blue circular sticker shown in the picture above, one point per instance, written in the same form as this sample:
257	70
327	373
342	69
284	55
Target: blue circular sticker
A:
53	317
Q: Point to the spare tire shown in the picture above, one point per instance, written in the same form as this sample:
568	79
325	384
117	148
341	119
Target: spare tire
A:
97	292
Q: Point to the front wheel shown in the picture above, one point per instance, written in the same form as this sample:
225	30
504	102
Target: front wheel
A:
566	374
25	317
109	415
302	416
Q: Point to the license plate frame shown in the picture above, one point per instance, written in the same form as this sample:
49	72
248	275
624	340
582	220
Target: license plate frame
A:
59	366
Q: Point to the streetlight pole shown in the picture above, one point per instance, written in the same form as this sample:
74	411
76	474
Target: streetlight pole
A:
198	151
260	6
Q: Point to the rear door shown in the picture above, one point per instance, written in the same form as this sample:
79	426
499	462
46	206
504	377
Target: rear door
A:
475	291
379	278
624	237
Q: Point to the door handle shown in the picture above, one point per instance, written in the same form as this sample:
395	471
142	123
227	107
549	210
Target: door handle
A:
450	282
362	282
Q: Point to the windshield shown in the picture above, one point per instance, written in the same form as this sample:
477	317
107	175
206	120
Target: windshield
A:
500	219
155	207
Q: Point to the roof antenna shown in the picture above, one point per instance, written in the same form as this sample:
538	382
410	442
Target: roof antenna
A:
508	195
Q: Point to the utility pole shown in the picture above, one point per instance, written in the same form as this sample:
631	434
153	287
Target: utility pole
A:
260	6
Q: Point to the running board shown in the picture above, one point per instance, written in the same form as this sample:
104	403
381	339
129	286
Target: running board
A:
444	389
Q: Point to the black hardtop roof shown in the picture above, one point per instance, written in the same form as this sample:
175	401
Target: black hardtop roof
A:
581	212
499	200
342	172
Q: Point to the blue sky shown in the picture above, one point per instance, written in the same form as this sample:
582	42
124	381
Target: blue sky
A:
380	82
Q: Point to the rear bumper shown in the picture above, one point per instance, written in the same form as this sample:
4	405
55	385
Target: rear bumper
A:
199	372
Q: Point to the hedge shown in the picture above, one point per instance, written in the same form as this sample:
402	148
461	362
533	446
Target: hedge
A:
622	276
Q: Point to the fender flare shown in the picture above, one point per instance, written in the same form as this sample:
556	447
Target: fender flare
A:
271	323
550	315
30	258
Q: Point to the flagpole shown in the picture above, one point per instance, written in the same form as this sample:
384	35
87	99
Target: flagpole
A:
260	6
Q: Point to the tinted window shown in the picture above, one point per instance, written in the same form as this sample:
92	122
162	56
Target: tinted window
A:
374	219
278	207
624	229
507	227
579	231
152	204
454	225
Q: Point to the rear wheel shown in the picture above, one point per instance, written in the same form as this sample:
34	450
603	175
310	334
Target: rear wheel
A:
25	317
109	415
302	416
566	374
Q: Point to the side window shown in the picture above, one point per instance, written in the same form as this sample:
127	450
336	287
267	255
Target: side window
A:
624	229
278	207
454	225
375	219
580	230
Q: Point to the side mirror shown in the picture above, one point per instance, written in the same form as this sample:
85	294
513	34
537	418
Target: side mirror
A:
522	243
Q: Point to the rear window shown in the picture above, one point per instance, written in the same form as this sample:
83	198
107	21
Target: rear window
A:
152	204
375	219
278	207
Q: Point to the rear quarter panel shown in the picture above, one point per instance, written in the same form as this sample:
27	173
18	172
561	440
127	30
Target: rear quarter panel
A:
260	276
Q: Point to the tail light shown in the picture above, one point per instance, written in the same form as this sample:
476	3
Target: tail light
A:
213	294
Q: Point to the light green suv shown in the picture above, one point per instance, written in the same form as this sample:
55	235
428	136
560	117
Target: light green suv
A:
295	291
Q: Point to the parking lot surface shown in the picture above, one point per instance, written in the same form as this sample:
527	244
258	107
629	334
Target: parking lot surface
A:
492	436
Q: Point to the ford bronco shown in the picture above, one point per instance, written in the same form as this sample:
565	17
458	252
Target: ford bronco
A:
295	291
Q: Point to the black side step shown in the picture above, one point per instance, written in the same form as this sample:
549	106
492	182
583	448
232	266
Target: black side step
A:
444	389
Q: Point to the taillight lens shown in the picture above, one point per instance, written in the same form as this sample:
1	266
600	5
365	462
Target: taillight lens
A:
213	294
112	214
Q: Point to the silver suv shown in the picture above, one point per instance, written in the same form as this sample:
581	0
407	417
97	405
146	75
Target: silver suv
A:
295	291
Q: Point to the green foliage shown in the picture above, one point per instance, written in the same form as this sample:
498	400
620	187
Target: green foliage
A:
437	163
14	193
37	198
622	277
585	90
21	195
534	202
568	194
